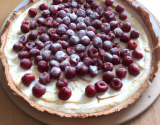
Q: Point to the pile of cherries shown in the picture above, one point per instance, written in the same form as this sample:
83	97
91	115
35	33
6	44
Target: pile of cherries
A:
69	28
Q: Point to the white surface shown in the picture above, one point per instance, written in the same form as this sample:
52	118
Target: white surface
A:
121	116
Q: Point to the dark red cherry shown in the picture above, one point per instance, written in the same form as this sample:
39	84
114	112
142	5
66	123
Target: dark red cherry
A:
97	42
91	35
54	63
33	35
64	44
114	51
89	1
81	33
55	37
81	70
109	15
33	24
55	48
97	62
116	60
38	90
96	24
133	69
39	45
61	83
25	28
64	64
90	91
66	20
116	45
44	78
70	72
43	6
134	34
61	14
126	27
53	9
123	16
25	63
94	15
93	52
91	28
48	21
80	19
23	54
32	12
127	60
119	8
51	31
87	21
109	2
37	59
42	66
25	21
81	26
60	56
81	13
65	38
105	27
44	37
40	21
137	54
74	59
108	76
72	26
70	33
45	13
121	72
101	86
80	48
113	25
93	71
118	32
87	61
73	16
107	57
17	47
112	36
74	40
65	93
87	5
55	72
107	66
47	55
55	2
107	45
34	52
125	38
116	84
74	10
80	1
27	79
132	45
101	52
83	55
124	52
74	4
70	51
41	29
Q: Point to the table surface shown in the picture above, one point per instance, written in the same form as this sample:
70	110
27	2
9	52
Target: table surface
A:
10	114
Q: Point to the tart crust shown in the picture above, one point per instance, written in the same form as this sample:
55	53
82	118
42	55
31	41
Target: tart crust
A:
151	24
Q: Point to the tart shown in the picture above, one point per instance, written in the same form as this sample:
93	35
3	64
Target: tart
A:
81	58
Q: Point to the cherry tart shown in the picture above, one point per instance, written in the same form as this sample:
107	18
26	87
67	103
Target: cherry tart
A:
79	58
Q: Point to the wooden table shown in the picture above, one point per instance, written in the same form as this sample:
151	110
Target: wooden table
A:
10	114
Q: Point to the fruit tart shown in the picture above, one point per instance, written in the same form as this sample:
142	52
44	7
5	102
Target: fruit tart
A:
81	58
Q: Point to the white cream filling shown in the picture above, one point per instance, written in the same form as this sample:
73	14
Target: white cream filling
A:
79	103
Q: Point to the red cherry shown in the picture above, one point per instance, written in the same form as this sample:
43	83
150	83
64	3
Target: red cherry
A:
45	78
101	86
27	79
17	47
70	72
90	91
32	12
93	71
48	21
87	61
33	24
81	70
107	57
119	8
23	54
60	56
109	2
74	59
108	76
116	84
80	48
33	35
37	59
29	46
26	63
70	51
127	60
42	66
43	6
126	27
65	93
134	34
123	16
55	48
133	69
55	72
25	28
61	83
137	54
38	90
125	38
64	64
132	45
124	52
47	55
121	72
114	51
34	52
107	66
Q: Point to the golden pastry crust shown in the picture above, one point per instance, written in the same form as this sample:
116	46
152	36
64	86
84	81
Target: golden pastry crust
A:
150	22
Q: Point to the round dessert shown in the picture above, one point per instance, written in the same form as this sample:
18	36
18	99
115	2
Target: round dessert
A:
80	58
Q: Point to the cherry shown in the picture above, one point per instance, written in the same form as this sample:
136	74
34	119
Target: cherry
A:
74	4
34	52
125	38
61	83
124	52
70	51
33	24
107	66
118	32
85	40
97	62
64	64
61	14
94	15
65	93
103	36
83	55
23	39
74	10
54	63
81	33
81	13
91	28
74	40
107	45
27	79
41	29
64	44
66	20
44	78
81	70
43	6
23	54
73	16
72	26
33	35
101	52
80	19
132	45
25	28
47	55
93	71
55	2
109	2
127	60
48	21
25	63
60	56
97	42
101	86
114	51
105	27
137	54
133	69
113	25
44	37
67	10
42	66
51	31
81	26
80	48
116	60
112	36
116	84
70	72
55	48
55	72
116	45
119	8
90	91
134	34
108	76
25	21
55	37
17	47
87	61
126	27
47	46
123	16
121	72
74	59
109	15
70	33
107	57
103	20
38	90
53	9
39	45
57	22
65	38
96	23
37	59
45	13
32	12
93	52
90	34
62	28
40	21
87	5
87	21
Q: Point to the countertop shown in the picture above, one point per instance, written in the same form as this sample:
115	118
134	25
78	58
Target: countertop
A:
10	114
